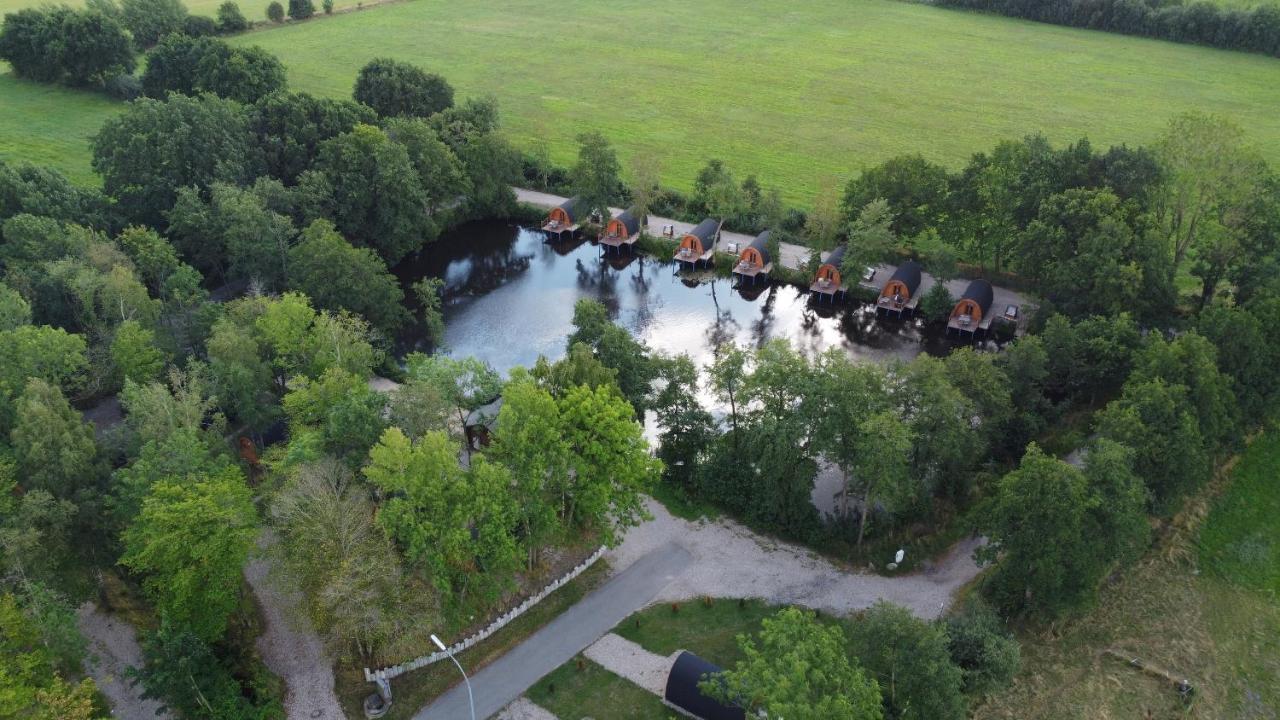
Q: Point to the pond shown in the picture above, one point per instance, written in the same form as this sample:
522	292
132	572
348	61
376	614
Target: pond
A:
509	298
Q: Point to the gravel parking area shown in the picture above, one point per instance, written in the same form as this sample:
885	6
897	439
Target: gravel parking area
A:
525	709
731	561
113	648
628	660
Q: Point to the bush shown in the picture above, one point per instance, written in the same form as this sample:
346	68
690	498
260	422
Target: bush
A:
59	44
328	6
275	12
191	65
124	87
397	89
987	654
230	19
150	20
199	26
301	9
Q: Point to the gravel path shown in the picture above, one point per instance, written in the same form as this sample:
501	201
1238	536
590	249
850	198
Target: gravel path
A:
525	709
731	561
290	648
113	647
628	660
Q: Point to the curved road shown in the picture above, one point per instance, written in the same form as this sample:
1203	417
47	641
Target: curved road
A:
505	679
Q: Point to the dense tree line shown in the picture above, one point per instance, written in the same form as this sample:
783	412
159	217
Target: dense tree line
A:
1252	29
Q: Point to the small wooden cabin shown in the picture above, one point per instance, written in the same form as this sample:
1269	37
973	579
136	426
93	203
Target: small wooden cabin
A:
755	260
623	230
828	281
699	244
683	694
973	311
899	294
566	218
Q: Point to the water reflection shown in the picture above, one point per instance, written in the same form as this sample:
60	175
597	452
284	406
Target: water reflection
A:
509	298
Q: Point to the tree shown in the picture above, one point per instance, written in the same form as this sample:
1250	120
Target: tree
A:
461	385
797	668
1158	421
182	671
34	685
42	191
946	444
154	147
881	470
1090	358
686	429
156	411
914	188
871	238
440	172
491	165
397	89
1119	520
135	354
987	654
368	186
1040	530
232	234
290	127
53	446
910	661
36	351
190	541
27	43
275	11
1090	254
347	412
151	20
455	523
823	224
59	44
239	375
193	65
937	303
301	9
1244	355
15	311
187	451
353	587
430	291
230	19
1191	361
595	177
645	187
337	276
528	441
609	467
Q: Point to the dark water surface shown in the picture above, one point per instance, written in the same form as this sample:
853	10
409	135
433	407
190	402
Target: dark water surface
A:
509	298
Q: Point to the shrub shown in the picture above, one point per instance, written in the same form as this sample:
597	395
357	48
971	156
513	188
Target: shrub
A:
199	26
275	12
150	20
230	19
328	6
397	89
987	654
191	65
124	87
301	9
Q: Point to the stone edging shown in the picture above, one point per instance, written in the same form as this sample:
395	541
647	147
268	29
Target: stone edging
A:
395	671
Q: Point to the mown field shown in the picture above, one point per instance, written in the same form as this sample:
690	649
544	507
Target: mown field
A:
794	93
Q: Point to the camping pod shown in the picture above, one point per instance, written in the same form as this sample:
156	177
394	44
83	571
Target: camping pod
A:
757	253
623	227
973	306
568	215
698	243
829	273
683	694
902	285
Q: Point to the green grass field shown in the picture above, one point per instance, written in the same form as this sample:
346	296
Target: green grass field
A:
51	125
1240	541
793	92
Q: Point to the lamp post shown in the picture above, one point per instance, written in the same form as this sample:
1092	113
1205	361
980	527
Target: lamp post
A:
470	698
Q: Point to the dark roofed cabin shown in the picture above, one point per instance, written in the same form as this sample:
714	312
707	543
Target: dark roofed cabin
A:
622	230
566	218
899	294
973	311
481	422
699	244
828	281
755	259
683	694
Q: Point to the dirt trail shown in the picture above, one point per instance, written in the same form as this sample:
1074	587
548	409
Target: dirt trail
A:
113	648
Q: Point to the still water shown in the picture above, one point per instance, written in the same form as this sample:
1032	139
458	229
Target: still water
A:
509	298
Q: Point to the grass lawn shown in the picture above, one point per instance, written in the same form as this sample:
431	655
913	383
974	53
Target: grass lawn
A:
1240	541
795	92
581	688
50	124
709	630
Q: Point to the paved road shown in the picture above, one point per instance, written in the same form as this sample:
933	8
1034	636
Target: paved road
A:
506	678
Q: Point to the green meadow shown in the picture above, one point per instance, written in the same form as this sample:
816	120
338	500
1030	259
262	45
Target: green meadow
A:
798	94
